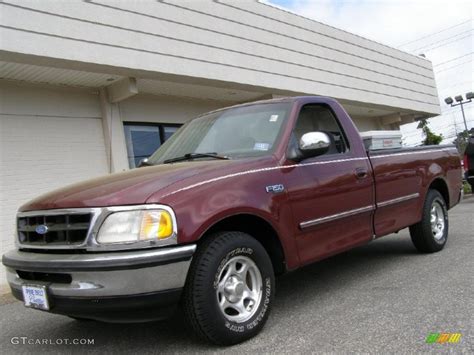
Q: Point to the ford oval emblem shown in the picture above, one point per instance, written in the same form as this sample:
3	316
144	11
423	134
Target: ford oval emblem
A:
42	229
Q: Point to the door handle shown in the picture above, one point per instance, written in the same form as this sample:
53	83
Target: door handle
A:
361	173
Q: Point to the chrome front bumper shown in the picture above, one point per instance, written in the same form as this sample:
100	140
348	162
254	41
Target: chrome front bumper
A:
96	275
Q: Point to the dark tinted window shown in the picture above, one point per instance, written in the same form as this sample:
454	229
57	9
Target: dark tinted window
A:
144	139
168	131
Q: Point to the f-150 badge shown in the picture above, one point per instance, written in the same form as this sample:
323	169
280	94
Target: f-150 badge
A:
275	188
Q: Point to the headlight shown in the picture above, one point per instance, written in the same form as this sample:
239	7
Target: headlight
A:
136	226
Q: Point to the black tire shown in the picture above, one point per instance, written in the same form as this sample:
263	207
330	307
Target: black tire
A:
201	296
422	234
471	182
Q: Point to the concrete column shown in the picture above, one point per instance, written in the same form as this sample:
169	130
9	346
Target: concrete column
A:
114	136
391	122
391	119
407	119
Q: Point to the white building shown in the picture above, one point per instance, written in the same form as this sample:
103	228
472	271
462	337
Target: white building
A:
88	88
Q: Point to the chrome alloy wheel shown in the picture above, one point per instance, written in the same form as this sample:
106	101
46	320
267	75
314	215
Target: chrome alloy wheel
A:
437	220
239	291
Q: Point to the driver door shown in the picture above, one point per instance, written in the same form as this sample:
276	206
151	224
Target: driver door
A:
331	195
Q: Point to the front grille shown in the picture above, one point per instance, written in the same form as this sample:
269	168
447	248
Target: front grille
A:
61	229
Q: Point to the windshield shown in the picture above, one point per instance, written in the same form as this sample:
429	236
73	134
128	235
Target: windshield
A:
240	132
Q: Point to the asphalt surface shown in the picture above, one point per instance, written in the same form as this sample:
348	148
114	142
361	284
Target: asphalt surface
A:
380	298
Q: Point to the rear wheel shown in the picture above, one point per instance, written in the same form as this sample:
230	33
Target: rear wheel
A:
431	233
230	288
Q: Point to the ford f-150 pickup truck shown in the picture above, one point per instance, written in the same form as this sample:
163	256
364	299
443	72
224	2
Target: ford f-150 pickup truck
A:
233	198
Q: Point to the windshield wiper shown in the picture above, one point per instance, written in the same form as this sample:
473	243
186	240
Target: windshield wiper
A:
190	156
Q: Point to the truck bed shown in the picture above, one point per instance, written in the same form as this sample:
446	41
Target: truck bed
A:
400	174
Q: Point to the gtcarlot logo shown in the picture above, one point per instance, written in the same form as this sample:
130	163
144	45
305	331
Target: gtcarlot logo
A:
442	338
49	341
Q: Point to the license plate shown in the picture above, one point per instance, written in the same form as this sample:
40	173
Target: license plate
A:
35	297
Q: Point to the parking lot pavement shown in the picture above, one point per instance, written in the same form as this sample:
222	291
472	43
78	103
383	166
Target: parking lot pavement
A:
383	297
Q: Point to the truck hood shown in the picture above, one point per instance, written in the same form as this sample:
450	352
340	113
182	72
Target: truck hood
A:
132	187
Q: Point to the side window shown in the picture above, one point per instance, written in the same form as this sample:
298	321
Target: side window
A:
143	139
320	118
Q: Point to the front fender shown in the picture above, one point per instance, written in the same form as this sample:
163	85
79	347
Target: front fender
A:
198	209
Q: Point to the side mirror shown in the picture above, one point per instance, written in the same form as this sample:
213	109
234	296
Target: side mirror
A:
143	162
314	143
311	144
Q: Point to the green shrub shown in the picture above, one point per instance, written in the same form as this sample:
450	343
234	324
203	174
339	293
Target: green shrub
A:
467	188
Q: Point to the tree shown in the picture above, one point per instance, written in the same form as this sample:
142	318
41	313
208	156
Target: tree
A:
461	142
430	137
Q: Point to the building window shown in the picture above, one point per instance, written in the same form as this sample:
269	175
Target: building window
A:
144	138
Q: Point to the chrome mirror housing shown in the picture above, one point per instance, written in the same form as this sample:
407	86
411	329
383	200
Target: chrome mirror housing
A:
315	143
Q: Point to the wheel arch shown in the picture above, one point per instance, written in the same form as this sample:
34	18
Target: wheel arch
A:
439	184
257	227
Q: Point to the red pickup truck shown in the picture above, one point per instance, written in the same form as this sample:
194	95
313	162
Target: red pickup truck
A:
232	199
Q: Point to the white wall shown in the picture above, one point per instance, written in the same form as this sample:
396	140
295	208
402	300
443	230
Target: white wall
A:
170	109
164	109
49	137
240	43
367	123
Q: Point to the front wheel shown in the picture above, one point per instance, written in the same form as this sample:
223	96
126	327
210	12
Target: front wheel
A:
431	233
230	288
